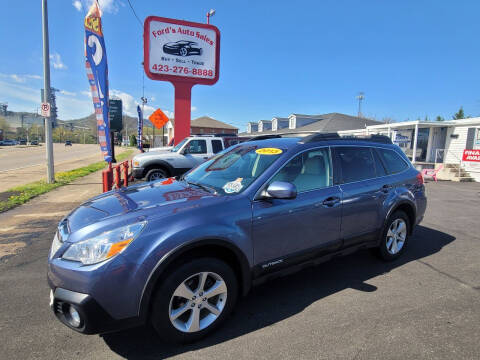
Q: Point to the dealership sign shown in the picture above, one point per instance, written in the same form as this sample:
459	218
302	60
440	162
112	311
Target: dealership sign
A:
184	53
471	155
181	50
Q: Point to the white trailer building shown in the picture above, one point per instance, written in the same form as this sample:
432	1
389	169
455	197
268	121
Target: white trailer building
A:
434	144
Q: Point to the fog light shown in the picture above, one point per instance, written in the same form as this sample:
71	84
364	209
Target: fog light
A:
74	317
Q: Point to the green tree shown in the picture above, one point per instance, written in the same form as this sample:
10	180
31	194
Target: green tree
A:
133	140
460	114
439	118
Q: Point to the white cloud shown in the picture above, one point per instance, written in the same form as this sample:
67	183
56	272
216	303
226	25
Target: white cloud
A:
20	78
129	104
68	93
57	61
86	93
193	108
108	6
16	94
77	4
111	6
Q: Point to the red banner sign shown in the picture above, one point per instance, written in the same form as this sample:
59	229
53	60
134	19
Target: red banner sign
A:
471	155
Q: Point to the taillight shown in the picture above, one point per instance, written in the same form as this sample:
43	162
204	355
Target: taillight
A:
419	179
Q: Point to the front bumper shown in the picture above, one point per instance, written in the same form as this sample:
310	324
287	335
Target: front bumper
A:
93	318
138	173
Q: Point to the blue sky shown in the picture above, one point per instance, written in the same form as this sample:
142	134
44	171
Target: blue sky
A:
411	58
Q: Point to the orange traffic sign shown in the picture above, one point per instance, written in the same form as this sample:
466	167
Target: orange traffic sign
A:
158	119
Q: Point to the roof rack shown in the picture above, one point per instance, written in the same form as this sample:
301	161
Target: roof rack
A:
320	137
264	137
335	136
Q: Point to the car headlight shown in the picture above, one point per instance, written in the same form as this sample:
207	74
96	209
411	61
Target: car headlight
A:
136	163
103	246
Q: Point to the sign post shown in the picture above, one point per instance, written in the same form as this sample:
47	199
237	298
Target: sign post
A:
185	54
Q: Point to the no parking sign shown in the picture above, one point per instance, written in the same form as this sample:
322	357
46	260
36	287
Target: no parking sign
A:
45	110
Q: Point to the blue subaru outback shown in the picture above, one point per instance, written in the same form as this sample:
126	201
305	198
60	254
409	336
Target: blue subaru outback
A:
178	252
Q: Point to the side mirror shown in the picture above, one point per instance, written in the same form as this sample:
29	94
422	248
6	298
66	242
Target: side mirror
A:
281	190
185	150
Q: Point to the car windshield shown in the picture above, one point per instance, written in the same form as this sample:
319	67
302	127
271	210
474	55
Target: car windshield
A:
180	144
233	170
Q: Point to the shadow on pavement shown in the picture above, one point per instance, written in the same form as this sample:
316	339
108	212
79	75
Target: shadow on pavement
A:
262	308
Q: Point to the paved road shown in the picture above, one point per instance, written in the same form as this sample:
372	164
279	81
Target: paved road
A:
21	164
426	305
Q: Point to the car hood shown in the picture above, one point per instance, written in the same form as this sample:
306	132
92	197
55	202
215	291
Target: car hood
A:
143	200
155	154
161	148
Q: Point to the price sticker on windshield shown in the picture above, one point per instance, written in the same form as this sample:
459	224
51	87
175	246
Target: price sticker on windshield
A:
269	151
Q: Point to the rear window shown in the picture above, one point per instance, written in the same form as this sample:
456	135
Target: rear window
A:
393	162
217	146
357	163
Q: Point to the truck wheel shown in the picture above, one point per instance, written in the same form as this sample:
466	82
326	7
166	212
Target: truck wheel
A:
156	174
193	300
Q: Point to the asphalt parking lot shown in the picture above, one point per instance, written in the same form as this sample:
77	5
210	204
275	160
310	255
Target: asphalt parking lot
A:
425	305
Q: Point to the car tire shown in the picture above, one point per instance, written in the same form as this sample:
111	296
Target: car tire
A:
166	306
183	51
156	174
394	237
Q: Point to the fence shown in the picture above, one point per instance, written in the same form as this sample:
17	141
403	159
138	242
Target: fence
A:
112	177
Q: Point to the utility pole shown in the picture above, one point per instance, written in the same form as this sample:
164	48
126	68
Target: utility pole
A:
46	94
360	98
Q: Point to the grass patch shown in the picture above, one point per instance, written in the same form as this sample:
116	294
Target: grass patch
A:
21	194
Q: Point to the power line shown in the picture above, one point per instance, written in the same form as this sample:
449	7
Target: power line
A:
134	13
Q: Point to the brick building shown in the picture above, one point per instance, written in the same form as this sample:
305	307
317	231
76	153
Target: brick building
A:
202	125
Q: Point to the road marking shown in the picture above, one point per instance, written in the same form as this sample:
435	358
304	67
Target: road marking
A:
41	215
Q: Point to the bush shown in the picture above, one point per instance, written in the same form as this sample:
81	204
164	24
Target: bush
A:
133	140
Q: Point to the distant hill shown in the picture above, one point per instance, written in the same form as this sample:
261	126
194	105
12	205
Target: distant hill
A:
90	122
14	119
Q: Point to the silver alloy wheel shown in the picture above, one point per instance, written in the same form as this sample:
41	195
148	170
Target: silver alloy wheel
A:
157	175
183	51
197	302
396	235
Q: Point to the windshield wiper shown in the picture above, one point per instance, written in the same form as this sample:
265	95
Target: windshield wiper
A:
204	187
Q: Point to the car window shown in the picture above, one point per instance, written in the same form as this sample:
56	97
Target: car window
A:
197	147
392	160
217	146
234	169
308	171
356	163
380	169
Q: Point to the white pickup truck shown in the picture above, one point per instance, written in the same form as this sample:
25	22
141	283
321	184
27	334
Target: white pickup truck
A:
190	152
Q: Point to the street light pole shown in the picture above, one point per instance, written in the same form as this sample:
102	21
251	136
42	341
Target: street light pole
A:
46	94
360	98
210	13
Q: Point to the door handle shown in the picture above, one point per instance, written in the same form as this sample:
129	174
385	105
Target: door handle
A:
331	201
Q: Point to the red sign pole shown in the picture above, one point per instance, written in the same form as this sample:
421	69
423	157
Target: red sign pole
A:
183	101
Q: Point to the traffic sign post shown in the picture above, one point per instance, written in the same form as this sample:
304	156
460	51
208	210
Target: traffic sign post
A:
184	53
